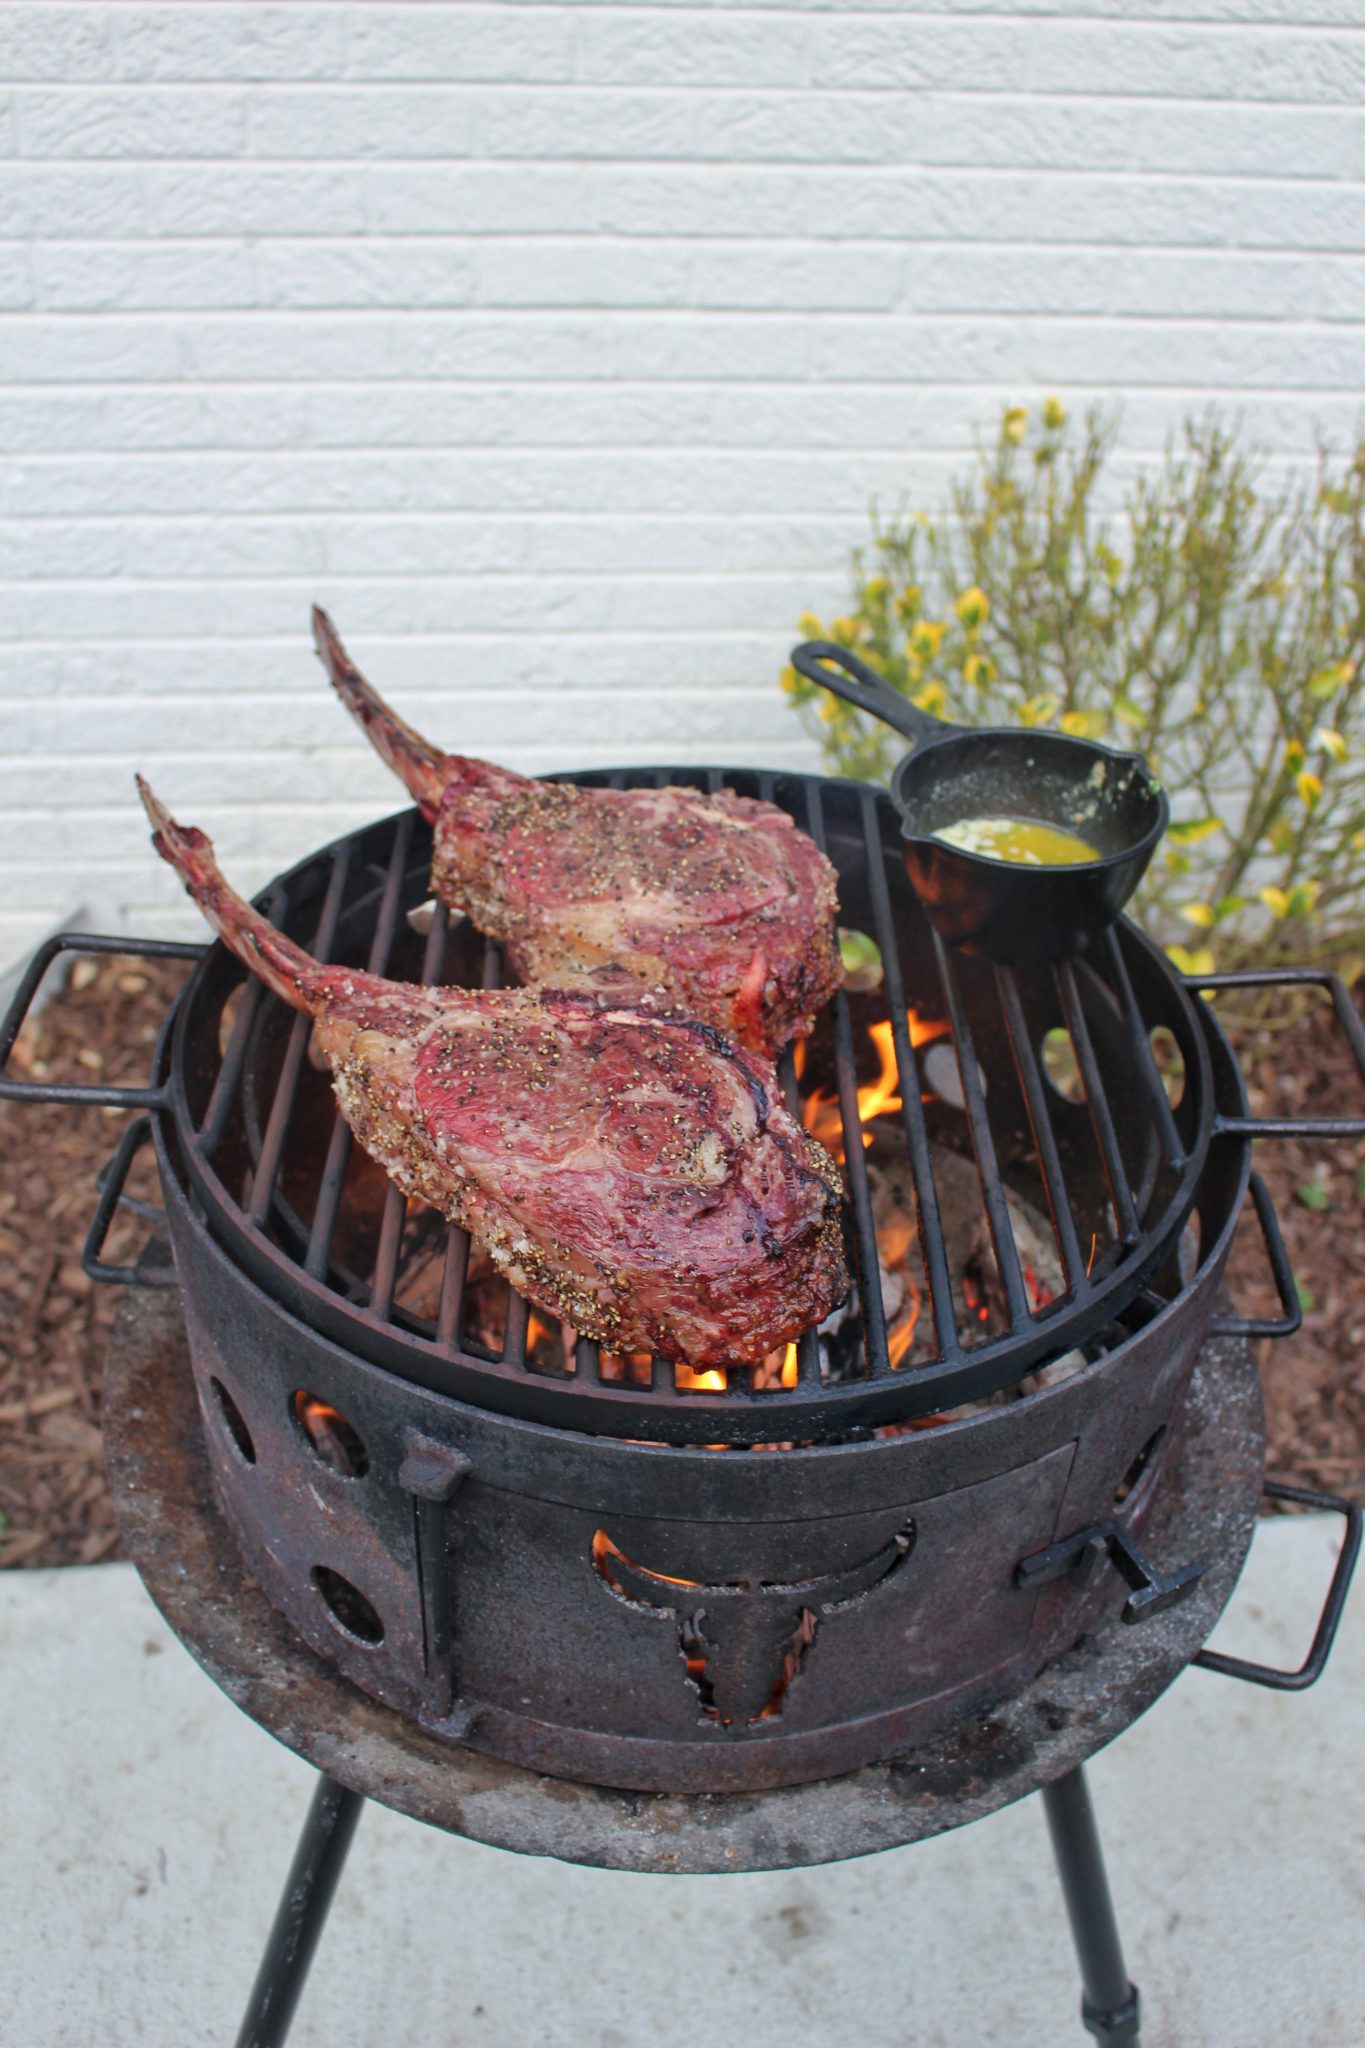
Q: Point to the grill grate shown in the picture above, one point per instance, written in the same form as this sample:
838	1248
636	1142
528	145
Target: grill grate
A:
1111	1175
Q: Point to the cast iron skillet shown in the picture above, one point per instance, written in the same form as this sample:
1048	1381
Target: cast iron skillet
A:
1020	916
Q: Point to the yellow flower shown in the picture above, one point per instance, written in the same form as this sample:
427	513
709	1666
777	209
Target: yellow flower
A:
1276	901
1331	742
1054	415
932	698
1309	786
846	632
927	638
810	627
1084	725
1294	756
1194	964
1199	914
1015	423
907	605
789	681
973	607
1037	710
978	670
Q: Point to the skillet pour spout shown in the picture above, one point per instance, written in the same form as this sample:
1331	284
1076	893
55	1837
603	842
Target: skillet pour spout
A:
1016	914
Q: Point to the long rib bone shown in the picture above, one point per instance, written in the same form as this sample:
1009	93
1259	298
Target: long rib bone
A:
628	1169
718	898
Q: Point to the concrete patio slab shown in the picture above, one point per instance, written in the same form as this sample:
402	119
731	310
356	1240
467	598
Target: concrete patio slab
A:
148	1826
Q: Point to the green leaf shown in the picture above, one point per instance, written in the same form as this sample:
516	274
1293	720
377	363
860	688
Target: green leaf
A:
1313	1195
1195	829
1307	1299
1328	681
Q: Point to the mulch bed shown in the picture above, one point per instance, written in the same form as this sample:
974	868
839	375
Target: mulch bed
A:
54	1323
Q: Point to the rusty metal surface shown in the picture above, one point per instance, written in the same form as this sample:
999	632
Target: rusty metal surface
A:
529	1654
181	1543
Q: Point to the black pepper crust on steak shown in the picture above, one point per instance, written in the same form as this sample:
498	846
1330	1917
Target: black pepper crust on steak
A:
630	1170
720	900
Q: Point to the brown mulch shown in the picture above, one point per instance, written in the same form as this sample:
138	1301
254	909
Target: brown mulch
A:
54	1322
1314	1381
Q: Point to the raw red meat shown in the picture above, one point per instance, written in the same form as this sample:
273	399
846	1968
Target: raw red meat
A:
628	1169
717	899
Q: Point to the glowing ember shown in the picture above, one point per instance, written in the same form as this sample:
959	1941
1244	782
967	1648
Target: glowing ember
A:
974	1298
1039	1293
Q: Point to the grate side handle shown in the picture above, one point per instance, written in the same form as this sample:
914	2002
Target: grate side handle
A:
1347	1018
1334	1606
1281	1271
103	1094
110	1182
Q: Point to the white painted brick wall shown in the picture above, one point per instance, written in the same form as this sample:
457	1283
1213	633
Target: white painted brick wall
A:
561	349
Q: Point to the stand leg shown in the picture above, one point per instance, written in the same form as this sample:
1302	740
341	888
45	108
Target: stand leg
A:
301	1915
1109	2003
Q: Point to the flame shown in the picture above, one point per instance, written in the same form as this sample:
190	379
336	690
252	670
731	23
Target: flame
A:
689	1382
820	1112
899	1340
603	1548
789	1367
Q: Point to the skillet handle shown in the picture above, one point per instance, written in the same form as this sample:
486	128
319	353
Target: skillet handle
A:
862	686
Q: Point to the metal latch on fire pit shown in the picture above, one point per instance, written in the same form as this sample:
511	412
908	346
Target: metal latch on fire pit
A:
1152	1592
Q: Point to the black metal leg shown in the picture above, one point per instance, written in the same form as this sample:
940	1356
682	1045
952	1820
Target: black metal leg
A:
302	1914
1109	2003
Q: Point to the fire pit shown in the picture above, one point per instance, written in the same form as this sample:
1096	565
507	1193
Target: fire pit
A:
1029	1430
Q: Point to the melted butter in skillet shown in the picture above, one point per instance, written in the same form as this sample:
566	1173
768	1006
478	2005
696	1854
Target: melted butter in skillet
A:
1023	840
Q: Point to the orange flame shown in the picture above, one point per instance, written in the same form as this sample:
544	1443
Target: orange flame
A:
789	1367
689	1382
820	1113
899	1340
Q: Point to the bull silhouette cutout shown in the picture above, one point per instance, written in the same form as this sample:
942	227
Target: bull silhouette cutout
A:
743	1643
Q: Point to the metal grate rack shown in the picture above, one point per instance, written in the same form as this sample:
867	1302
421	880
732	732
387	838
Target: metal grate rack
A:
1114	1173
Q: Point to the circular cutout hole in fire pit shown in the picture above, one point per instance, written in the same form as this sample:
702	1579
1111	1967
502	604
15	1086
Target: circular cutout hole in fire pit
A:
347	1605
329	1436
236	1427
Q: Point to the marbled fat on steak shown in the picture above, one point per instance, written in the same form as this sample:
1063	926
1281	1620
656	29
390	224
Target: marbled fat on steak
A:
719	900
628	1169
